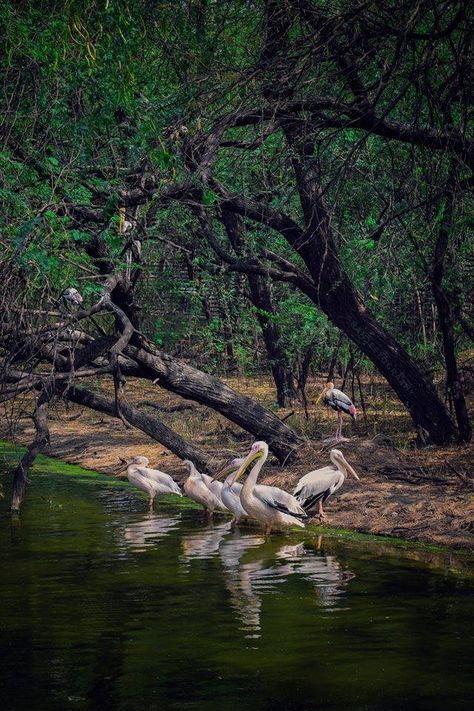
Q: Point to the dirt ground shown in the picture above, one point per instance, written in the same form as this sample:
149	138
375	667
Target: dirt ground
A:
418	494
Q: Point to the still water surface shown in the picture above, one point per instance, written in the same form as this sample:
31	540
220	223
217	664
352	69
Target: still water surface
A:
105	606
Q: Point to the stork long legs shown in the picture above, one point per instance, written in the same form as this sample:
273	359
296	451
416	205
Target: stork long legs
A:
338	435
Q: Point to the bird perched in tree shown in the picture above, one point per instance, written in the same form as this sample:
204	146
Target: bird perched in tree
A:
337	400
317	486
70	297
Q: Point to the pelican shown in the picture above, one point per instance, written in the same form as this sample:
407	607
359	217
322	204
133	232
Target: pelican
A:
215	487
320	484
230	493
196	488
263	505
332	397
151	481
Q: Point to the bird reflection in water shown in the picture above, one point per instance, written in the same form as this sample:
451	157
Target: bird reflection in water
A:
204	543
251	574
139	535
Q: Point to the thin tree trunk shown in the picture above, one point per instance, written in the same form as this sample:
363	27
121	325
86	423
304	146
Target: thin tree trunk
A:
40	418
260	294
332	364
446	323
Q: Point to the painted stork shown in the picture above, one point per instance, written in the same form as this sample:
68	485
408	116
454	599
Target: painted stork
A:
340	402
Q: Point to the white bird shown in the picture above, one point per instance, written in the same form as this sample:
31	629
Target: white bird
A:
320	484
230	493
151	481
71	297
338	401
267	506
215	487
196	488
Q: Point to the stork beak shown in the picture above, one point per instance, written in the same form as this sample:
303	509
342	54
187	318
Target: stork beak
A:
249	459
321	394
228	469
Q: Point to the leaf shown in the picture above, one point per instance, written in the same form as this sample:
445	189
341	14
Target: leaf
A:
209	197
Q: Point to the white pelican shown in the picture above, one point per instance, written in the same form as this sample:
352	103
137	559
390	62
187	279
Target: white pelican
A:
215	487
196	488
274	511
320	484
230	493
152	481
337	400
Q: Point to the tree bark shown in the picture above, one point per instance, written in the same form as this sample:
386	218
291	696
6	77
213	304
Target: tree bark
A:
337	297
184	380
446	322
40	418
261	299
260	294
149	424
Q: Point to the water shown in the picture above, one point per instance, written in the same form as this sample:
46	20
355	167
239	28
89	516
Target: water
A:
105	606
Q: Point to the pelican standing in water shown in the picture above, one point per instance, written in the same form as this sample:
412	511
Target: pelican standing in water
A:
317	486
338	401
263	505
151	481
230	493
215	487
195	488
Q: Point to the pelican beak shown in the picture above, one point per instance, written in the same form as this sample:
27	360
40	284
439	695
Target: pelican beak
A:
228	469
349	469
249	459
125	464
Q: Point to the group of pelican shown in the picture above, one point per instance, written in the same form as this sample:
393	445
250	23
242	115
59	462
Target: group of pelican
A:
268	505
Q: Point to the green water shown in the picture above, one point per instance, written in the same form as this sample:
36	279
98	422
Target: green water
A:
105	606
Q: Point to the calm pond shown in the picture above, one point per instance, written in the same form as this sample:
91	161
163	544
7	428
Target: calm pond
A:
105	606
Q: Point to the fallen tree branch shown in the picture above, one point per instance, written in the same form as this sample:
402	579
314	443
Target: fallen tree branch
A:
148	424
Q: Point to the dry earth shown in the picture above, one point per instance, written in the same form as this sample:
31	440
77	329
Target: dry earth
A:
419	494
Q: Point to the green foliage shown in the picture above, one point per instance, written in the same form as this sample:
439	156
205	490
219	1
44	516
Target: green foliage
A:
107	87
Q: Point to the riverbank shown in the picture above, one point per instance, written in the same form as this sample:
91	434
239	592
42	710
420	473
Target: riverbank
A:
421	495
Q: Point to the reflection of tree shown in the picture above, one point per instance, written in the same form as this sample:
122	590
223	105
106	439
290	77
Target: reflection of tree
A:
140	534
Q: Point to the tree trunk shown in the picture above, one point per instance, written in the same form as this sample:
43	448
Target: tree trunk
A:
261	299
40	418
260	295
180	378
149	424
446	324
337	297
